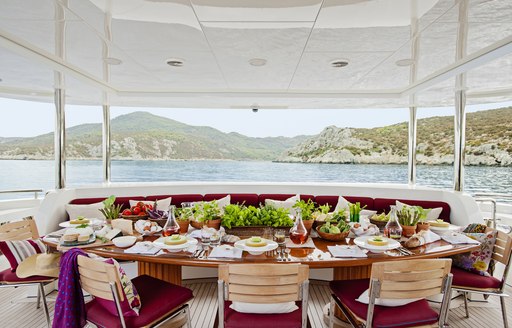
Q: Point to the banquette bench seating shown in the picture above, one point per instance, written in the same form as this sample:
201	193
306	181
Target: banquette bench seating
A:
377	204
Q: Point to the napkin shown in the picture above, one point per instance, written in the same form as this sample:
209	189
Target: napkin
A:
459	238
346	251
226	251
421	238
308	244
143	247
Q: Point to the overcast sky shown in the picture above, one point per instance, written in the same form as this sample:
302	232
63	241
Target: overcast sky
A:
27	119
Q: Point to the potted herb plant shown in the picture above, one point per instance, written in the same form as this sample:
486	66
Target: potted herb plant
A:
307	208
183	217
110	210
423	224
206	213
408	218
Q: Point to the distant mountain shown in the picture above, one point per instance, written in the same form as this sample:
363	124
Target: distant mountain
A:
141	135
488	142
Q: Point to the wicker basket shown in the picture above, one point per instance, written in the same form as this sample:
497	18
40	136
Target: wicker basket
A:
332	236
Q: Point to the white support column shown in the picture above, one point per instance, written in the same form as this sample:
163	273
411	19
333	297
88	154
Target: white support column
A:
106	144
60	140
413	124
460	140
460	101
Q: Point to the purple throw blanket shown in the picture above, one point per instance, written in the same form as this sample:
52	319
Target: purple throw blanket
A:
70	305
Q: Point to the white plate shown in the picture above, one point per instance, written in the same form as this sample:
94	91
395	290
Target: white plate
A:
443	230
66	224
361	242
160	243
271	245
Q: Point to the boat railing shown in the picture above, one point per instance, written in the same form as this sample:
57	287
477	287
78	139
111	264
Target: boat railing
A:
494	199
19	191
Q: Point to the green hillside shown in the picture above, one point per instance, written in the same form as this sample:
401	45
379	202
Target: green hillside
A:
141	135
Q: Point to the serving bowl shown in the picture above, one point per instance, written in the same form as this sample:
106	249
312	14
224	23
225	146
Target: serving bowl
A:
125	241
332	236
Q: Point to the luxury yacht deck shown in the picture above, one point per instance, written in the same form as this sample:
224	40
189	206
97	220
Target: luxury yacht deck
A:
16	310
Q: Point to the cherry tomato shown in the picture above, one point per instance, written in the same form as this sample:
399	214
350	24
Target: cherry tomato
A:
136	211
127	212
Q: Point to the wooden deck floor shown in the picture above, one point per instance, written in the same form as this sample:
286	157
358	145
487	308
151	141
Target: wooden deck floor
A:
17	311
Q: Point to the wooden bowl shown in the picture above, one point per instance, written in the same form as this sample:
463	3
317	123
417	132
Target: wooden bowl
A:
332	236
380	224
135	217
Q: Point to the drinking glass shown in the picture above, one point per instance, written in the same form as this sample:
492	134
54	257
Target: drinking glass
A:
279	237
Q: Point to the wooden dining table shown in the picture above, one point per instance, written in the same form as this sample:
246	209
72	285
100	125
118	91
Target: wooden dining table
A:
167	266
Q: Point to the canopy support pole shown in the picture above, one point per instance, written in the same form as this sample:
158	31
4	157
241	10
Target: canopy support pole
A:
60	139
460	140
106	144
460	101
413	124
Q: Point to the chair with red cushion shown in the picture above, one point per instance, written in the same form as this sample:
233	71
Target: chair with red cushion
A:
395	280
160	301
22	230
468	282
257	286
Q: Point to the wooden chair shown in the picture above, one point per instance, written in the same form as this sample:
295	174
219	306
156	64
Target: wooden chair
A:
267	284
467	282
160	301
22	230
396	280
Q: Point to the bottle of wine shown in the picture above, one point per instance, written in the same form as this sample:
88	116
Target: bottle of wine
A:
298	233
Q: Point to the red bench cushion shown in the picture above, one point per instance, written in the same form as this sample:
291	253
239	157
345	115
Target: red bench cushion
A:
178	199
125	201
281	197
382	205
246	199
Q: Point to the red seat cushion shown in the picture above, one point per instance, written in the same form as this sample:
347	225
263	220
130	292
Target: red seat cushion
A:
233	319
246	199
463	278
157	297
9	277
125	201
413	314
331	200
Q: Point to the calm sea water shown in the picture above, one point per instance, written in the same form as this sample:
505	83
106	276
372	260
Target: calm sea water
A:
20	174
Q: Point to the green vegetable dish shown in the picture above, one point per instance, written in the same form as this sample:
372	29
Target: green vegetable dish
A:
341	227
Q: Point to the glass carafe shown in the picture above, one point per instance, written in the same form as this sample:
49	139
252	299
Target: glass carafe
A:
171	226
393	229
298	233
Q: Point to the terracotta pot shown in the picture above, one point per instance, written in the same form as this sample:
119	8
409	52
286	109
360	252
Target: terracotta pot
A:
197	224
308	224
183	225
213	224
422	226
408	231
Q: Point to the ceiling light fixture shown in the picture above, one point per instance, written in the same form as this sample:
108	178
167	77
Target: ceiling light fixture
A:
175	62
257	62
339	63
404	62
113	61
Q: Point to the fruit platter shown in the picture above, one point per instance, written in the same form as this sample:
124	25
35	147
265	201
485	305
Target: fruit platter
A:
137	212
334	231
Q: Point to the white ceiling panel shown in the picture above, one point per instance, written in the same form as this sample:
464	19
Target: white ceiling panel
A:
256	11
358	39
199	70
315	71
234	44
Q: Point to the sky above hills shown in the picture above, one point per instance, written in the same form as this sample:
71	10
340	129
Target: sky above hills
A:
27	119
